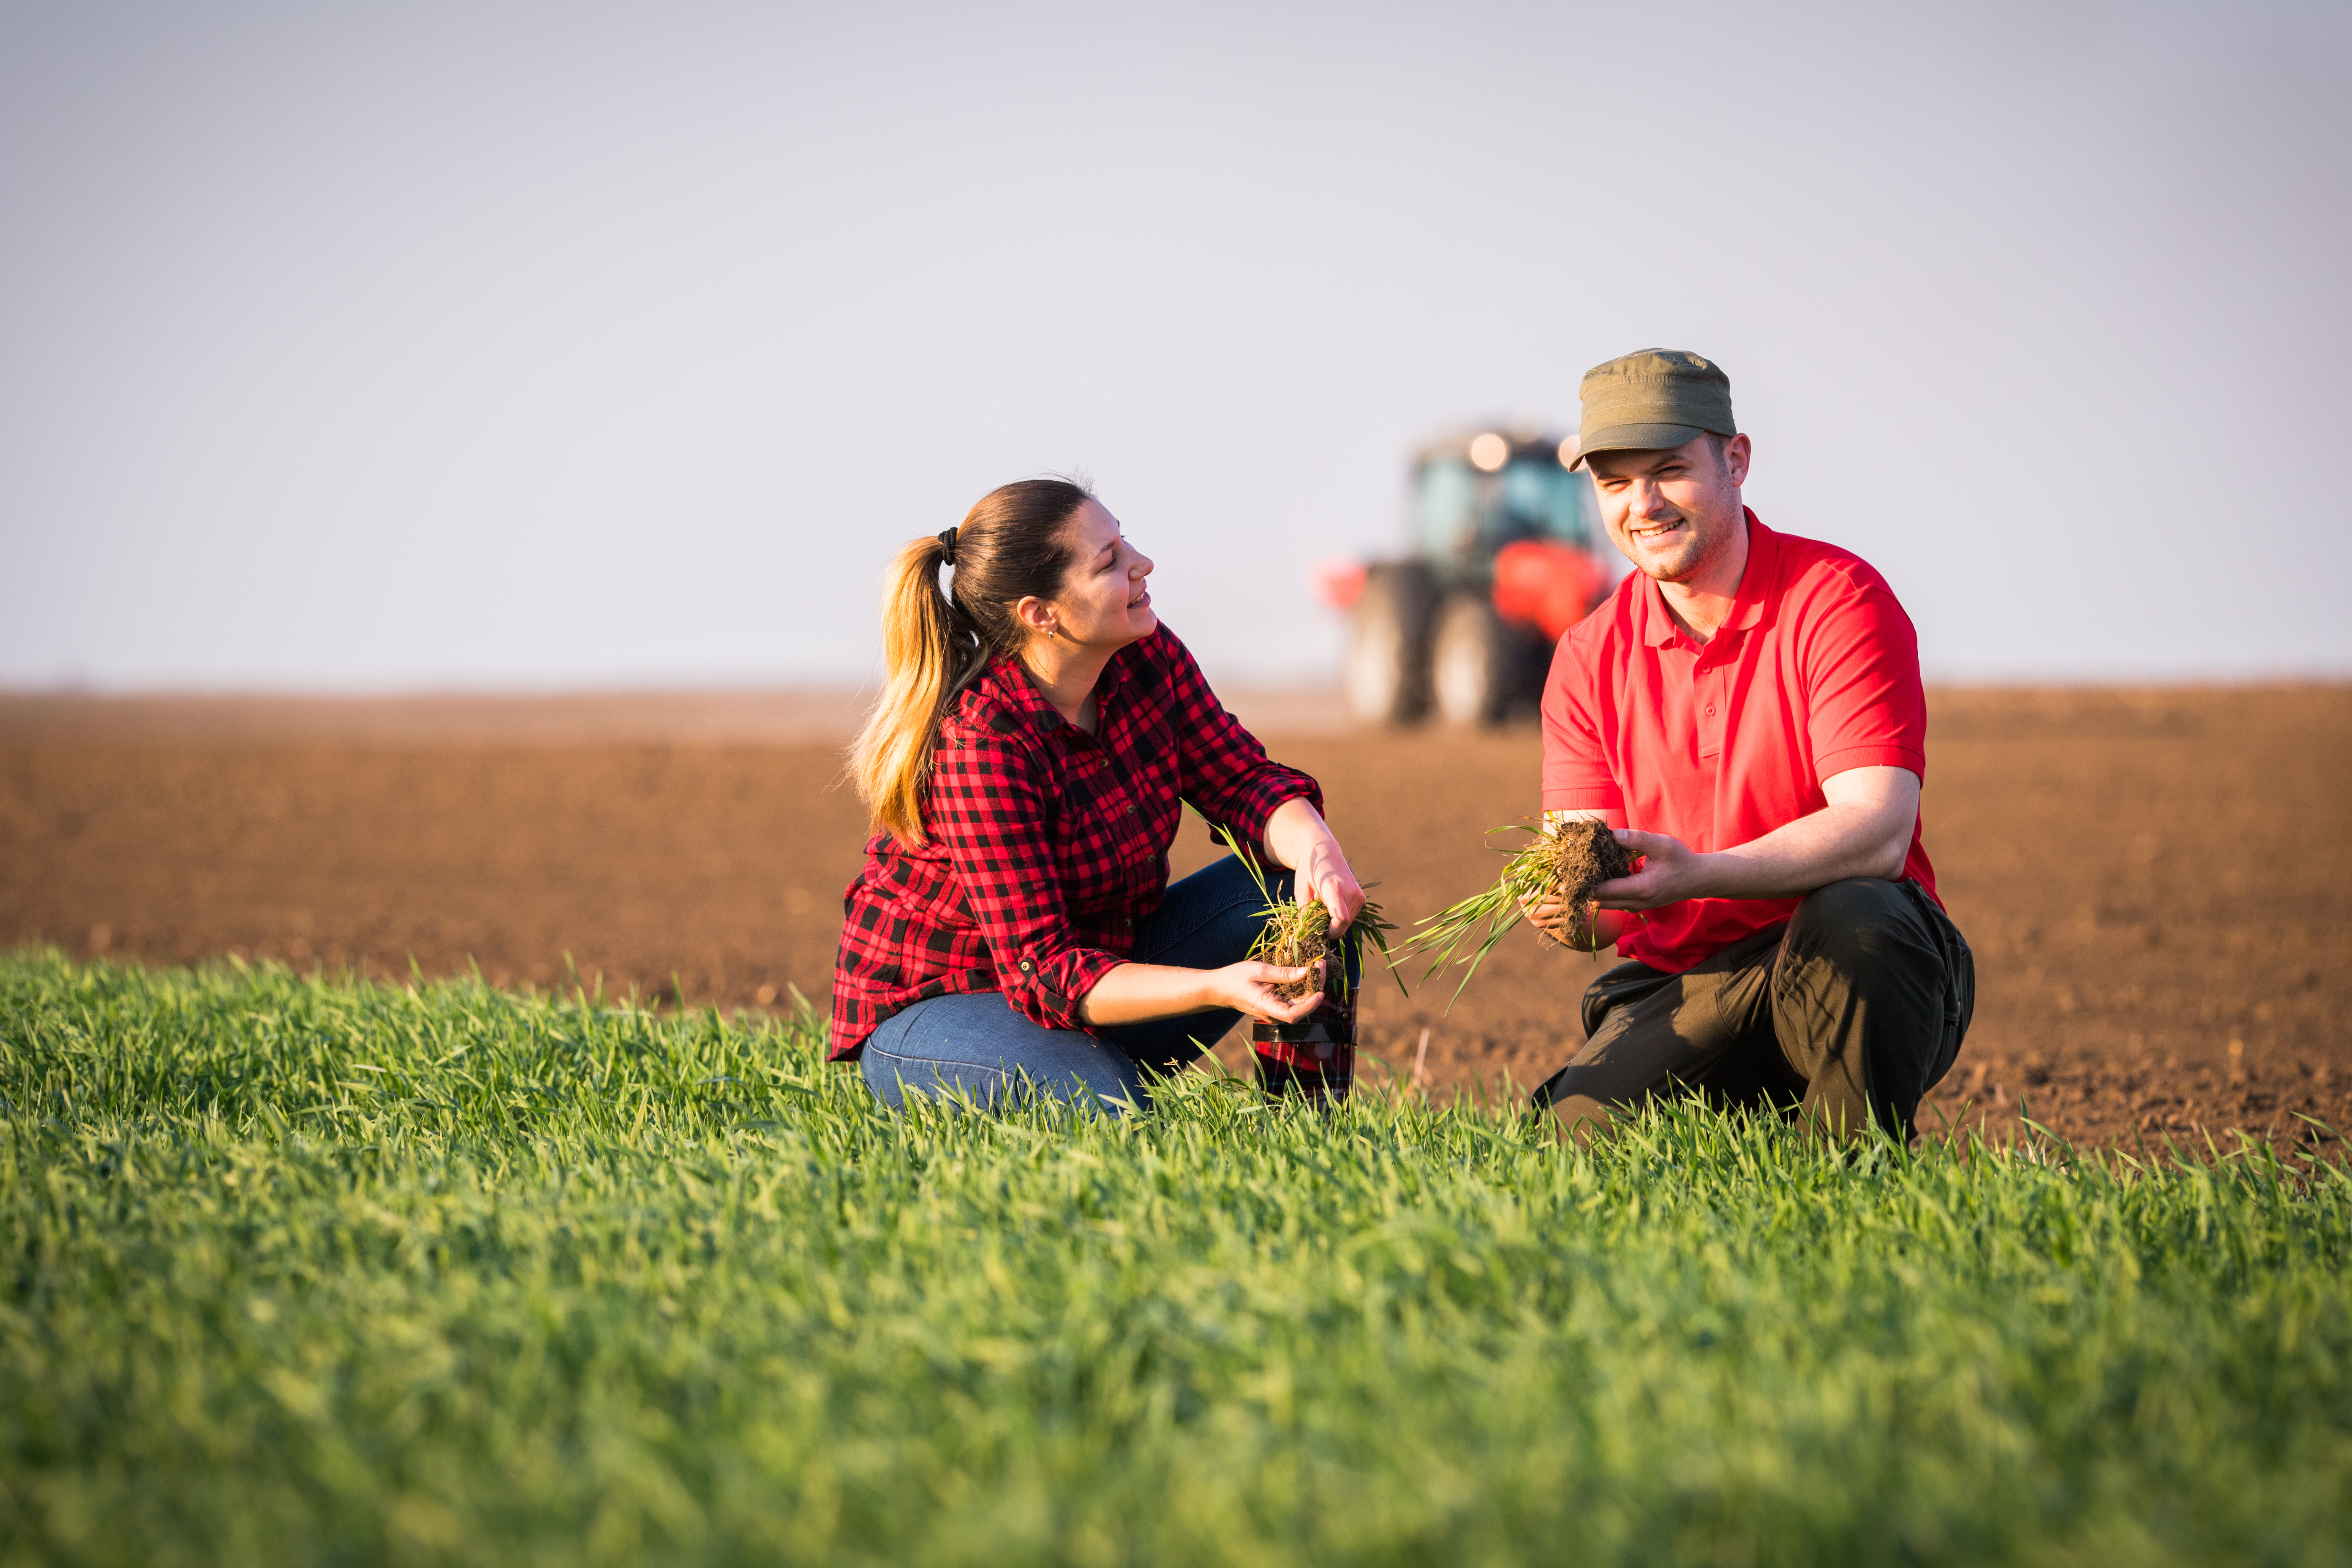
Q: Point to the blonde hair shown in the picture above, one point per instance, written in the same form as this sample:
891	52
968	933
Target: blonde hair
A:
1011	545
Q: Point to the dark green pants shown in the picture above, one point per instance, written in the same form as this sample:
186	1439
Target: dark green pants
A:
1856	1007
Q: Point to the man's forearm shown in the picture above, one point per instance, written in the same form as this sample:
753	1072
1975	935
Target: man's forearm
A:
1834	843
1864	830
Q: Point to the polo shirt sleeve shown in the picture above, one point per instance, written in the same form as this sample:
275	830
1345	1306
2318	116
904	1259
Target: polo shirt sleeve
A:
1865	705
1576	772
988	810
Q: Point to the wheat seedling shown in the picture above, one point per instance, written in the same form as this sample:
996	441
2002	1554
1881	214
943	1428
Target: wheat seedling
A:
1567	860
1299	934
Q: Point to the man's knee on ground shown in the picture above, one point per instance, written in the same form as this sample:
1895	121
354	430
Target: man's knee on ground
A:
1580	1118
1844	919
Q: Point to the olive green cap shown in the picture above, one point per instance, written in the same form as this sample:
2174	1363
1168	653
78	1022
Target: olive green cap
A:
1654	399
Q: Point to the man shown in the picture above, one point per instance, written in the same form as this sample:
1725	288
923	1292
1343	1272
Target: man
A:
1745	709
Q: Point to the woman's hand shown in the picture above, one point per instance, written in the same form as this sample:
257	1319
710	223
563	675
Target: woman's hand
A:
1297	836
1139	992
1249	987
1323	873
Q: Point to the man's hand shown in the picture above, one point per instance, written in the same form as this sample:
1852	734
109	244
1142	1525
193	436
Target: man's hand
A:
1863	830
1565	924
1671	871
1585	930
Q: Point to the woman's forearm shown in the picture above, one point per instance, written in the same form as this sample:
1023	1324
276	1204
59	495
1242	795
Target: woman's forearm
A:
1297	836
1295	831
1138	992
1295	839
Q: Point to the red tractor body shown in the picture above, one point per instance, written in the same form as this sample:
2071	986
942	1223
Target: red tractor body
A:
1548	585
1507	556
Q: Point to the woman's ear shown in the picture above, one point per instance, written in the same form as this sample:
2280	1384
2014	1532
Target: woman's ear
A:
1036	617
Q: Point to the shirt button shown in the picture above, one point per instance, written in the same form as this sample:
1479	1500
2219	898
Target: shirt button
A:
1710	710
1025	967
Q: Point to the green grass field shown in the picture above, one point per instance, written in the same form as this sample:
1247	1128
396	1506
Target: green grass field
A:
302	1271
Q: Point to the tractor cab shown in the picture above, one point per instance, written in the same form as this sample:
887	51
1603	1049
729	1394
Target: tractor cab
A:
1506	555
1467	507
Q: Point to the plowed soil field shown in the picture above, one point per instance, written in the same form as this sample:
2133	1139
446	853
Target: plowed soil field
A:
2157	884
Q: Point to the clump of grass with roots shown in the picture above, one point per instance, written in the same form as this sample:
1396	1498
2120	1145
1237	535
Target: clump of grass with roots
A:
1566	859
1298	933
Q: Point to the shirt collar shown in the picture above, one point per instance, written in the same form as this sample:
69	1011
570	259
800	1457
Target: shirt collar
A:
1755	583
1012	699
1005	688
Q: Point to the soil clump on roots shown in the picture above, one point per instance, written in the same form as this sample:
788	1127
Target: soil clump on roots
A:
1582	855
1296	936
1565	861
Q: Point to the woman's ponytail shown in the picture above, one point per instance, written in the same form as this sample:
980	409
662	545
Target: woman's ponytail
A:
1009	547
891	758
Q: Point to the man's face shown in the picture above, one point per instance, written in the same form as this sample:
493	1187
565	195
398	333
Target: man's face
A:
1675	510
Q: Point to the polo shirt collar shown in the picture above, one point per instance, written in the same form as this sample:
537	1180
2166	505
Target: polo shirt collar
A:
1659	628
1755	582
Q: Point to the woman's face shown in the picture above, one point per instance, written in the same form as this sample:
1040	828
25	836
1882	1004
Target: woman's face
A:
1103	603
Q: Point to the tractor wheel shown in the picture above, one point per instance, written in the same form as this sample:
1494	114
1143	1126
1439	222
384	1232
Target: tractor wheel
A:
1388	644
1473	664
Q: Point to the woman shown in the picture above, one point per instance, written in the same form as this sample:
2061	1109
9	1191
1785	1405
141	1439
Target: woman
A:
1013	922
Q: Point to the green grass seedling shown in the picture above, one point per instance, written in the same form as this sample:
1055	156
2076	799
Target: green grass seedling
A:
1563	859
1299	933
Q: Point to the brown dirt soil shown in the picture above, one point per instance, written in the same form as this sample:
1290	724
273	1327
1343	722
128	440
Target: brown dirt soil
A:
2132	986
1589	855
1296	940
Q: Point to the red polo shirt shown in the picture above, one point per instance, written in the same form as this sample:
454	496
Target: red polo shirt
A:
1816	671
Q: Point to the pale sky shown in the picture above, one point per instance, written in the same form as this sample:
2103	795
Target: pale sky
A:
508	346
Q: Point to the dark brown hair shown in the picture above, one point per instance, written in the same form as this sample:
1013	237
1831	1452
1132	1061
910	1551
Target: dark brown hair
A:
1013	544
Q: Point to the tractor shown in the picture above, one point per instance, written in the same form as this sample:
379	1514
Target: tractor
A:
1505	556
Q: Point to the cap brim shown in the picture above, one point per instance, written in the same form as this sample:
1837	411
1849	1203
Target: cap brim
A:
1633	438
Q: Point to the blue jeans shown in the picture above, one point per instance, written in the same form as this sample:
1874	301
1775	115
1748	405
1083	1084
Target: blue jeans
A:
976	1045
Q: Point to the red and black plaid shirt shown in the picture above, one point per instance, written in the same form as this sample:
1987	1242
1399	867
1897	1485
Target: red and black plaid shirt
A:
1046	844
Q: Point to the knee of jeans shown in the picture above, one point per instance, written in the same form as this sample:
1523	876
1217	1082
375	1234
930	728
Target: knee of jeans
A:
881	1074
1233	874
1842	917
